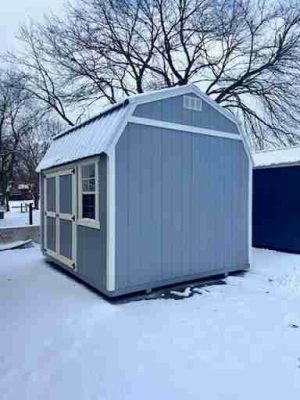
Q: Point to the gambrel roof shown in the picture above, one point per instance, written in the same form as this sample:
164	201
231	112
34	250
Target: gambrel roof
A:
101	133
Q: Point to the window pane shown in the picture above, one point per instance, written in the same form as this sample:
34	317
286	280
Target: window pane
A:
91	171
92	185
88	206
85	185
88	185
85	171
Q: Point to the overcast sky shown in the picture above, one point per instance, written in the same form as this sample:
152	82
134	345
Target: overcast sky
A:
15	12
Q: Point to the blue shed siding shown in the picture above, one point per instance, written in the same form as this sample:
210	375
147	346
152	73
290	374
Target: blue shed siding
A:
181	205
172	110
91	243
276	216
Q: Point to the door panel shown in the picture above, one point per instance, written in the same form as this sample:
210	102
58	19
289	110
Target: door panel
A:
65	238
65	194
51	233
51	194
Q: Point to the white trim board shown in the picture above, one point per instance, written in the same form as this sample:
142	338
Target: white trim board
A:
185	128
111	223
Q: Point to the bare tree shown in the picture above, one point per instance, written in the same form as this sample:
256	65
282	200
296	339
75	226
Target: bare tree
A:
20	121
243	53
31	150
13	126
40	76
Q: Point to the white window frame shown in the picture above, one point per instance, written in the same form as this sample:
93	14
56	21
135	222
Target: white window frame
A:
88	222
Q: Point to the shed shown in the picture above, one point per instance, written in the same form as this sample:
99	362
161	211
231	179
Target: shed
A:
276	199
154	190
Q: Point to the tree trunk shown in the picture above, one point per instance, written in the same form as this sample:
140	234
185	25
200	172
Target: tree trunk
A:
36	198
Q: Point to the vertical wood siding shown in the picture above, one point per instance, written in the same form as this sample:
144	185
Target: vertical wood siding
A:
91	243
172	110
181	205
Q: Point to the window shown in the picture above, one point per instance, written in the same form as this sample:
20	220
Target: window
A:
88	201
88	191
192	103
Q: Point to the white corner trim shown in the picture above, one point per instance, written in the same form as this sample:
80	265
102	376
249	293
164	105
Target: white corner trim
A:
74	212
111	222
185	128
111	202
44	216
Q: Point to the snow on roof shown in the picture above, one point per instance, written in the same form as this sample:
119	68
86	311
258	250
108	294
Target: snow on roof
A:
96	135
91	138
277	157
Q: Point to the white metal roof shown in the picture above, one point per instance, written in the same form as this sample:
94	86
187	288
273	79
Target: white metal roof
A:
90	139
99	134
277	157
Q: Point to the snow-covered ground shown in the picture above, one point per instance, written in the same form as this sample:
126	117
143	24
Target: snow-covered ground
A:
60	340
15	218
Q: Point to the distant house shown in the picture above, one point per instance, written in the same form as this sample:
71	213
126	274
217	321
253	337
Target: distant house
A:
154	190
20	191
276	199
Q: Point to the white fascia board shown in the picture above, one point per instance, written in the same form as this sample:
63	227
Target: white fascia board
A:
156	95
119	130
185	128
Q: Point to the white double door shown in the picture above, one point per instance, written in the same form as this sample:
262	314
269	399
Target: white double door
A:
60	216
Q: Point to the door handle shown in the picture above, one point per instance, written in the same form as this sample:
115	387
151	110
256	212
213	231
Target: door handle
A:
73	217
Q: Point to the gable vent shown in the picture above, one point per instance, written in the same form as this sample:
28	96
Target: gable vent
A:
192	103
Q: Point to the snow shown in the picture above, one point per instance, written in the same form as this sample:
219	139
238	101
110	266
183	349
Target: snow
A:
14	218
60	340
287	155
13	245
